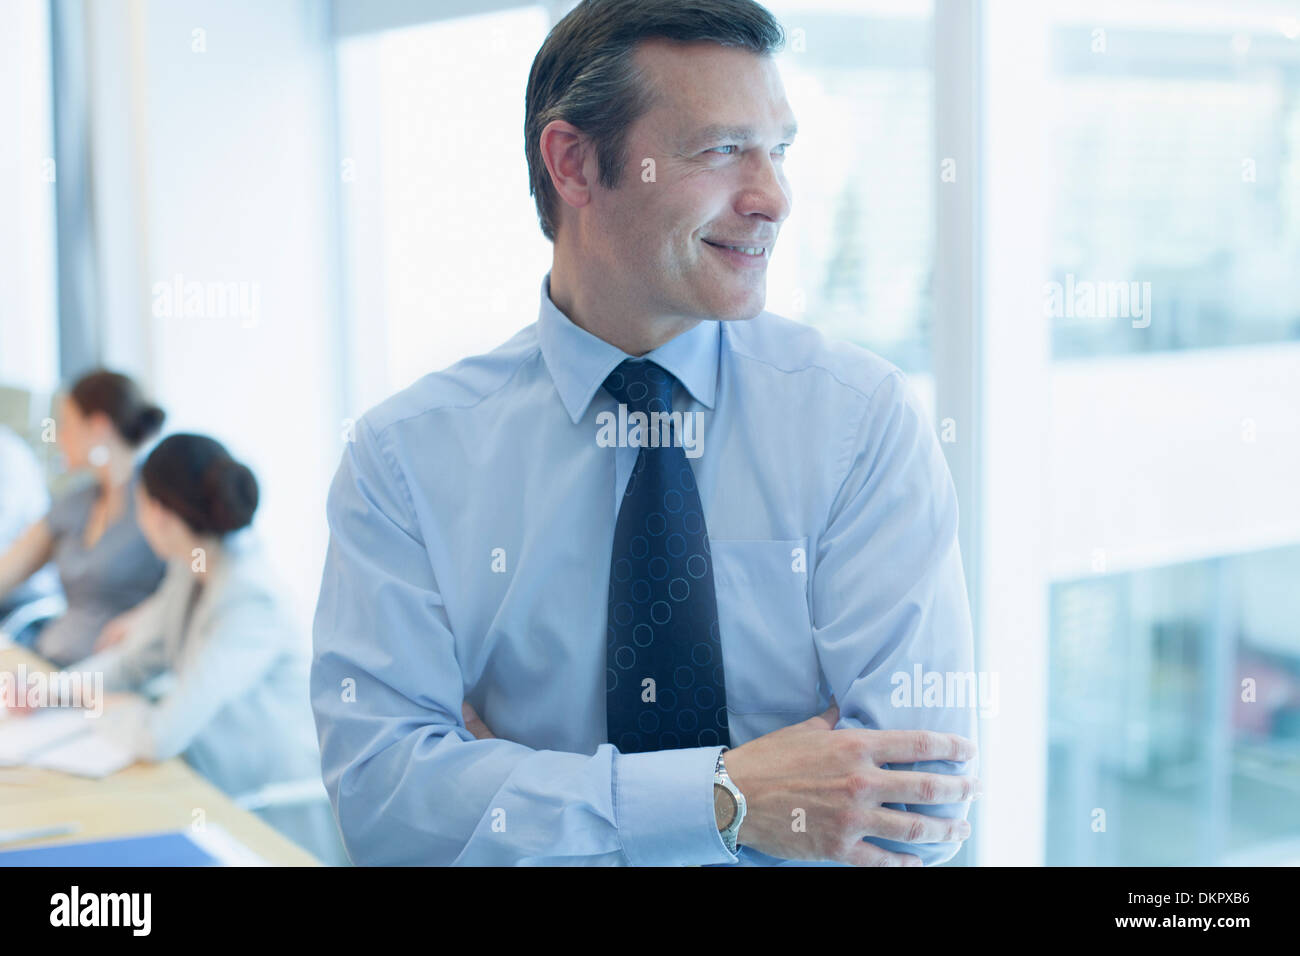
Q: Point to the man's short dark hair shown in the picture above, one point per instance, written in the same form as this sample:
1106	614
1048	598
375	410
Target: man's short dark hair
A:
584	74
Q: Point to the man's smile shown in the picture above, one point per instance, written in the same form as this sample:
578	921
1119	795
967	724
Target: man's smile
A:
741	253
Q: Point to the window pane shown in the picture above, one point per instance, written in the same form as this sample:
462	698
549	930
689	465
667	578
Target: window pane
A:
1175	715
1174	228
1176	144
856	254
433	238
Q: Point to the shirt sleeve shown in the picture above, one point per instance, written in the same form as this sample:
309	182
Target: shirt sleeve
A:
138	657
235	651
409	783
889	594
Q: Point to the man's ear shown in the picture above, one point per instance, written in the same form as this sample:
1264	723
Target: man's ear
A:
570	161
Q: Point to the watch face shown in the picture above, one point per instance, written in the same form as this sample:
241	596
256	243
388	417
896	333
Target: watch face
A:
724	805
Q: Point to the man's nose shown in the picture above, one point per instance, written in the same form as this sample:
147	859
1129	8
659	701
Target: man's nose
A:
766	191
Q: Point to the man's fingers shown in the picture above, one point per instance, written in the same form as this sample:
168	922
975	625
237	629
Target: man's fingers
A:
911	786
910	746
868	854
474	724
830	716
905	827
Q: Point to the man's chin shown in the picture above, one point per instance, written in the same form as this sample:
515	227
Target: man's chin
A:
740	308
739	317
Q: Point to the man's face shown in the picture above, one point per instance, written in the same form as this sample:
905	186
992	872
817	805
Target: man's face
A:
717	137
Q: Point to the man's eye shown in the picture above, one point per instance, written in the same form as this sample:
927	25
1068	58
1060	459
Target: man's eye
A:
716	148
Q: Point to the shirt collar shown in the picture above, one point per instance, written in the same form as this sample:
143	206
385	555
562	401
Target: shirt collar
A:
579	362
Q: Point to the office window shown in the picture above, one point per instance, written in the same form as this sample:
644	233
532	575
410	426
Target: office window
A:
1174	145
856	255
445	257
1175	715
1176	152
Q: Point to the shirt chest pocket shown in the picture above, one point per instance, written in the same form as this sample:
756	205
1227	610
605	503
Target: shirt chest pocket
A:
764	625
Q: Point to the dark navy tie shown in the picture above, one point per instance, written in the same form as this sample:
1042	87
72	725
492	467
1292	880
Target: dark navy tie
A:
663	613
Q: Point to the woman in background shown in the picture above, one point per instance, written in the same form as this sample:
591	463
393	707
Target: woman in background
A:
90	532
219	643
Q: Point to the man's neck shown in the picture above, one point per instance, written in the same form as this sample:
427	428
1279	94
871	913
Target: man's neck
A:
610	316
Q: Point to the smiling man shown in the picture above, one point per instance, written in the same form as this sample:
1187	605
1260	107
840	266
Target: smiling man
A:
537	646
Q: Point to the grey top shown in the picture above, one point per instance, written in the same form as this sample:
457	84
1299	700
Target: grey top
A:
24	500
101	582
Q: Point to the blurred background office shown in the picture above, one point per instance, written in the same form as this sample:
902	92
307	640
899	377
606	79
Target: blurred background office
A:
1074	225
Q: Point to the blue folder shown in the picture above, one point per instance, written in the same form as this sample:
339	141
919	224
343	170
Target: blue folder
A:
153	849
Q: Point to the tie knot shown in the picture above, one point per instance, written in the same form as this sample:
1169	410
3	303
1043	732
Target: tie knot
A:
642	386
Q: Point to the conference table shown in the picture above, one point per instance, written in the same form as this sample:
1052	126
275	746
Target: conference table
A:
142	798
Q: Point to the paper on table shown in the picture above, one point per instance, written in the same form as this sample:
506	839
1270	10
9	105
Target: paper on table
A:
23	737
87	755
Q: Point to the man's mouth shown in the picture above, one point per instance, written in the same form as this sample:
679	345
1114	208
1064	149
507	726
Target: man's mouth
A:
756	251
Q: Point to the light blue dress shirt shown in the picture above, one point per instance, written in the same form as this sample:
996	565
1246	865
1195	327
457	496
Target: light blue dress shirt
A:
471	526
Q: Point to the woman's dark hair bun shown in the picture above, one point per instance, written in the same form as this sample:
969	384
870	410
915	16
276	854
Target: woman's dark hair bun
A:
148	422
194	476
136	418
231	492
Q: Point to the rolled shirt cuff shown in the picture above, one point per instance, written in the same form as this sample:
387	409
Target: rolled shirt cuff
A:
663	804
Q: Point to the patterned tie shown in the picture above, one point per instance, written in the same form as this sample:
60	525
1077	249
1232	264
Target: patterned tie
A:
663	614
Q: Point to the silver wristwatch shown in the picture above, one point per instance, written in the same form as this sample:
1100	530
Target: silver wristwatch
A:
728	802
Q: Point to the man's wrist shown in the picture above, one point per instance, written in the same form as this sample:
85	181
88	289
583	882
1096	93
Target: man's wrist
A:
723	811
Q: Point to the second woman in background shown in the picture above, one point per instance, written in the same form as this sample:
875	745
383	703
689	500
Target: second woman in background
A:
215	668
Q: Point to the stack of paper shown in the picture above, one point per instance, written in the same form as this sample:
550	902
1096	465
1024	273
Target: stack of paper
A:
60	739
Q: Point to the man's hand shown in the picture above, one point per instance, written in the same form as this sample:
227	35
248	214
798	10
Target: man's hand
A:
474	724
835	778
